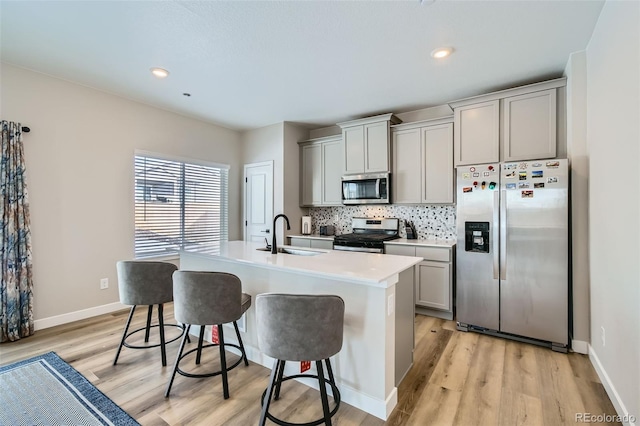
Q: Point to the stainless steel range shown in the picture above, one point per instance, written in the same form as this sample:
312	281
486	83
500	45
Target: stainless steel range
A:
369	234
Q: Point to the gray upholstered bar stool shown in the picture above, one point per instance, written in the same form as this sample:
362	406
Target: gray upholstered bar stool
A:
146	283
208	298
296	327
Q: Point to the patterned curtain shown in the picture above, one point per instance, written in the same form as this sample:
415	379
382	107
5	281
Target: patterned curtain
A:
16	310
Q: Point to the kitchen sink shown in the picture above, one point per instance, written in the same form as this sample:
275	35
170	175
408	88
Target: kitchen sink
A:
294	251
299	252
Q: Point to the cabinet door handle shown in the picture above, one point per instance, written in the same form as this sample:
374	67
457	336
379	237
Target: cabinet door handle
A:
266	231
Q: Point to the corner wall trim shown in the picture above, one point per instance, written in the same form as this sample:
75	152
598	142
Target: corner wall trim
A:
580	346
611	390
77	315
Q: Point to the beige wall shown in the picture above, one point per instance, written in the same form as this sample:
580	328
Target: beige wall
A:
279	143
79	158
576	73
292	135
265	144
613	141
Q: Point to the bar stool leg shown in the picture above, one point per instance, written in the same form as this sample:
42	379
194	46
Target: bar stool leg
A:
269	393
200	339
279	380
330	371
148	329
163	349
244	354
223	363
323	394
124	334
175	367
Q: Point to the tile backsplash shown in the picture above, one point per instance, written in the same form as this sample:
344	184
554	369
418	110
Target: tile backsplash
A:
430	221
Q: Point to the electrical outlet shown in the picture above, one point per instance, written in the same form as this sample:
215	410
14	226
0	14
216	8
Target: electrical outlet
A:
602	336
104	283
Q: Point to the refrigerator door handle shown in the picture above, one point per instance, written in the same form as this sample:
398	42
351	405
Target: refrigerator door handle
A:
496	222
503	236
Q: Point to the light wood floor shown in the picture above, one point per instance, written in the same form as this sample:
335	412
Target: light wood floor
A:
457	379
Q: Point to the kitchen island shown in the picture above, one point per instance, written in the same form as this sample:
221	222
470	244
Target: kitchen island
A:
377	290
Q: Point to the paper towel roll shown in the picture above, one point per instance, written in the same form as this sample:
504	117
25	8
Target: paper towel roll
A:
306	225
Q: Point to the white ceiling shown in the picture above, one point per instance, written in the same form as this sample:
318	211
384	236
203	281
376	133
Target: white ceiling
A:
251	64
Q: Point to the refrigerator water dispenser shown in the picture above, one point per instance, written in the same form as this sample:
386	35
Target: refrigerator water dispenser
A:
476	237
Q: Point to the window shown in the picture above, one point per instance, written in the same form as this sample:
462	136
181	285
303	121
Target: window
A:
178	205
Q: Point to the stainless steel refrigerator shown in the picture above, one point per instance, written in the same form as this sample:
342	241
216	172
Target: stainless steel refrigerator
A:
512	256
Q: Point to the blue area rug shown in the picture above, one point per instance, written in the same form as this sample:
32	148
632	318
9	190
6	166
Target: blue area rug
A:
45	390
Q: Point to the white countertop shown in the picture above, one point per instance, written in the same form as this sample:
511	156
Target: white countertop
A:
371	269
423	243
313	237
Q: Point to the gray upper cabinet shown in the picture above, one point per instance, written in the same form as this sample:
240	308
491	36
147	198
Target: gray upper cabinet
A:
376	139
332	172
529	126
437	160
321	170
477	133
510	125
366	144
422	171
311	174
353	149
407	166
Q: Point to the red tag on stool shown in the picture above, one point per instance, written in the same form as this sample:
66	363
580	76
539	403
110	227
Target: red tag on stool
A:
304	366
214	335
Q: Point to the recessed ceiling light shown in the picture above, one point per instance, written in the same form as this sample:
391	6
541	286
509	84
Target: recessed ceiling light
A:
442	52
160	72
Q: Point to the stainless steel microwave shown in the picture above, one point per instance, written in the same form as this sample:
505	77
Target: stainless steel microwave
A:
373	188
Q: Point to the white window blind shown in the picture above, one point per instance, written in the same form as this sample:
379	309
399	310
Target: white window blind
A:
178	205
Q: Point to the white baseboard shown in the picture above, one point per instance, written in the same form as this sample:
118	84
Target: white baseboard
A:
580	346
77	315
625	417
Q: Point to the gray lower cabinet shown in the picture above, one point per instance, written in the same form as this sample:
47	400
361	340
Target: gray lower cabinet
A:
433	278
324	244
433	289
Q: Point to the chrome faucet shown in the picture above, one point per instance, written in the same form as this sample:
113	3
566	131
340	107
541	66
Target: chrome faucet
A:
274	247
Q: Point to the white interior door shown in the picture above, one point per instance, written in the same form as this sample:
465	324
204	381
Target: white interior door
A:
258	201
